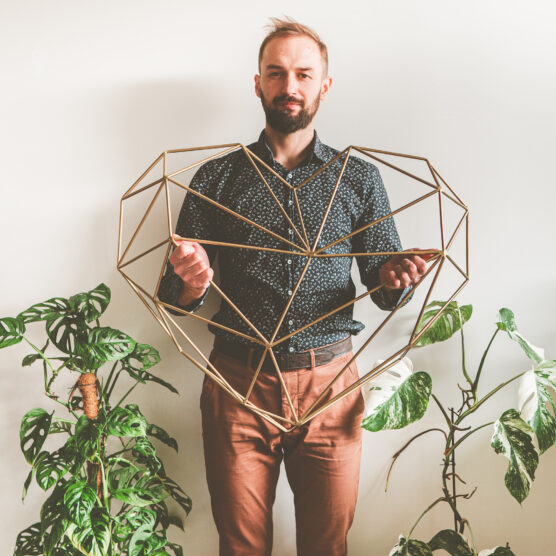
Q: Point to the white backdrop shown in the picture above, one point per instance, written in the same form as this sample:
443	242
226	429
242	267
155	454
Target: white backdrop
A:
92	92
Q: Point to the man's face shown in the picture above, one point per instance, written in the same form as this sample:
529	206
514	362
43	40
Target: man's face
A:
291	84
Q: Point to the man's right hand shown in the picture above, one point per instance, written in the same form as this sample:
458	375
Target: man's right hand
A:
191	264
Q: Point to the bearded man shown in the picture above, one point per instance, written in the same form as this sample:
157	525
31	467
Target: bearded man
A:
243	452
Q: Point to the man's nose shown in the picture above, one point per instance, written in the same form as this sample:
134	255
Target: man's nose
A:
290	84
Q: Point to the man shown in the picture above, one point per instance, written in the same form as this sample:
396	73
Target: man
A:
242	451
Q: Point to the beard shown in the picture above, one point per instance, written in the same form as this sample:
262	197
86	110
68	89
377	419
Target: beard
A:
283	120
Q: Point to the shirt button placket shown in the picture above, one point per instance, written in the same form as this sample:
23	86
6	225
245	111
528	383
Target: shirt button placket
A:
289	261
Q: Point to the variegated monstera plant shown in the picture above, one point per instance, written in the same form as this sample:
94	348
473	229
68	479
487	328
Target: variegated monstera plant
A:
107	488
400	396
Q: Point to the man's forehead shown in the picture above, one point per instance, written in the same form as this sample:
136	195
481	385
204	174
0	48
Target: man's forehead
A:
302	51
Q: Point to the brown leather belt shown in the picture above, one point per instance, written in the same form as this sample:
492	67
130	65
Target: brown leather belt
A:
286	361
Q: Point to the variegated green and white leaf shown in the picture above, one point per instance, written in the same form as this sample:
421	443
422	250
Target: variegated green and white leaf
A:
496	551
535	402
513	438
410	547
451	319
452	542
397	397
506	322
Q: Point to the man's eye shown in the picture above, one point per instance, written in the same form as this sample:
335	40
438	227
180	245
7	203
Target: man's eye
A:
305	76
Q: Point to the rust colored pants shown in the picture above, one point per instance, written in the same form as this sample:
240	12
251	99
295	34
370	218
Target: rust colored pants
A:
243	454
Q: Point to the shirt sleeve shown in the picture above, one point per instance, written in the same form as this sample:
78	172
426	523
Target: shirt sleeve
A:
196	220
380	237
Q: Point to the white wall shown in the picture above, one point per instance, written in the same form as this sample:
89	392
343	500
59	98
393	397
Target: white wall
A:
92	92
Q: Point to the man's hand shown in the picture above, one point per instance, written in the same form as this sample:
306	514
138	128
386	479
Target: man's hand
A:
191	264
403	270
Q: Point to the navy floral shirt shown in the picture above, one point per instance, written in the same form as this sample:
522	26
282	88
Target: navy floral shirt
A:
260	283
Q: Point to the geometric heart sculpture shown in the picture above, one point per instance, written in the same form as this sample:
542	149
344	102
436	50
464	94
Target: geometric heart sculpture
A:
438	220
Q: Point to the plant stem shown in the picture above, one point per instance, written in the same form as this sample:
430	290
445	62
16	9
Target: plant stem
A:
453	458
399	452
454	446
441	499
444	412
476	406
463	367
126	395
107	386
475	383
44	357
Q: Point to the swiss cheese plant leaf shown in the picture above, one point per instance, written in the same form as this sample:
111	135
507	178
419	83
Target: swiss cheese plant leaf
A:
138	543
506	322
91	304
104	344
513	438
497	551
145	454
33	432
126	421
175	548
29	541
450	541
11	331
397	397
140	496
453	317
410	547
66	331
139	517
46	310
84	443
177	493
79	500
50	468
160	434
27	483
141	358
93	538
535	402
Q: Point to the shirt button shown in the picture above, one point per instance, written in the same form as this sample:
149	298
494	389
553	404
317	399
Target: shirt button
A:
289	261
290	322
289	177
290	349
289	292
290	202
290	232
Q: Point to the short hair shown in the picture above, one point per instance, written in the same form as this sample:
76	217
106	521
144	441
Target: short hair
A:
289	27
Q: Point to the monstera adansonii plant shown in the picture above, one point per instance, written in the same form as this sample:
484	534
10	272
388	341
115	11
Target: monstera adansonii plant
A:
106	488
400	396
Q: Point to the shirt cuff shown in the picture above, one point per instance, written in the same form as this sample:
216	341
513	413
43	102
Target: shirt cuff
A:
381	302
194	305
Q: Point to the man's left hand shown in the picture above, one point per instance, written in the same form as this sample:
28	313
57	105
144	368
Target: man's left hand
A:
403	270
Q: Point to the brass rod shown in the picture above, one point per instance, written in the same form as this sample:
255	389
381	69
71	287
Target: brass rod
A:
386	216
401	170
457	266
274	173
300	215
255	376
284	213
323	168
149	208
380	253
450	189
426	301
282	316
467	244
241	245
157	160
155	294
144	188
195	164
120	226
237	215
239	312
390	153
191	149
169	209
281	378
441	219
327	211
462	220
159	244
185	313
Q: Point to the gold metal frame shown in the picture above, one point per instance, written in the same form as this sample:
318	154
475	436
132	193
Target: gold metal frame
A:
438	187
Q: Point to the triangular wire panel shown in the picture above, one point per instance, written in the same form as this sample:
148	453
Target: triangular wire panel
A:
153	172
417	225
415	168
144	222
145	269
190	160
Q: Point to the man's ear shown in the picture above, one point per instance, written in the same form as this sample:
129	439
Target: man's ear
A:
325	87
258	85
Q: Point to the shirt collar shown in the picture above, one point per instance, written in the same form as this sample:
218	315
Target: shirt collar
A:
318	150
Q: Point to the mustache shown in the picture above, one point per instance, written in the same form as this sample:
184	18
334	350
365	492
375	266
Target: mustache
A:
288	99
